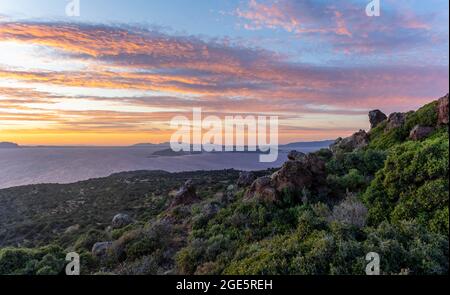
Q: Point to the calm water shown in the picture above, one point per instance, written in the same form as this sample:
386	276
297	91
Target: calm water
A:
23	166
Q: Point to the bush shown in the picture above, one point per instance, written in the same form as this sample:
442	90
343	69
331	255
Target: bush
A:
23	261
351	212
412	185
408	246
87	240
384	140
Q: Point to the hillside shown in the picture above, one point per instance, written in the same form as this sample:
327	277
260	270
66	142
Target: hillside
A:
384	191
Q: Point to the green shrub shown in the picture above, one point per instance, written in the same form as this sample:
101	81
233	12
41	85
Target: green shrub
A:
412	185
22	261
87	240
380	139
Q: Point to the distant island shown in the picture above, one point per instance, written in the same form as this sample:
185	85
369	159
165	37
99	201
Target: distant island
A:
168	152
306	144
164	144
8	145
171	153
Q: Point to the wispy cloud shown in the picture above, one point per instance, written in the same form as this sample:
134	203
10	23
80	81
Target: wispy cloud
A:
343	24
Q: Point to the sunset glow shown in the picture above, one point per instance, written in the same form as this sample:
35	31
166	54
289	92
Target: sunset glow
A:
319	67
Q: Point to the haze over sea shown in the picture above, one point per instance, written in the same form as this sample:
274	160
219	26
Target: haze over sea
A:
34	165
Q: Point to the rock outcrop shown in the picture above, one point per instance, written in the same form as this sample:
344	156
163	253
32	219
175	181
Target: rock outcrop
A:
246	178
395	120
186	194
100	249
299	174
443	110
296	156
262	189
376	117
420	132
121	220
307	172
357	141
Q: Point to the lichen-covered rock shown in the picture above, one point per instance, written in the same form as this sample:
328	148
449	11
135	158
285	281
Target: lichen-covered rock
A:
186	194
395	120
420	132
358	140
376	117
246	178
121	220
443	110
100	249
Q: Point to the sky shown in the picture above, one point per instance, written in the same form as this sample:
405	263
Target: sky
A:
121	70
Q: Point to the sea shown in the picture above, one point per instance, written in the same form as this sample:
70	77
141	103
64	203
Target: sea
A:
36	165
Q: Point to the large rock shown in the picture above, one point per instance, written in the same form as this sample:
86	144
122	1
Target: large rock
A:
186	194
395	120
292	175
307	172
246	178
420	132
121	220
376	117
262	189
357	141
100	249
296	156
443	110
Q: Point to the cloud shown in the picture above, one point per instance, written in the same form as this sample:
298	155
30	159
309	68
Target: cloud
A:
181	72
292	16
341	24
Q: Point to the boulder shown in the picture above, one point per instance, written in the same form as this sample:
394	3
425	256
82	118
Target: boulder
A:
376	117
186	194
358	140
420	132
262	189
71	229
292	175
121	220
307	172
246	179
299	174
314	164
443	110
295	155
100	249
395	120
